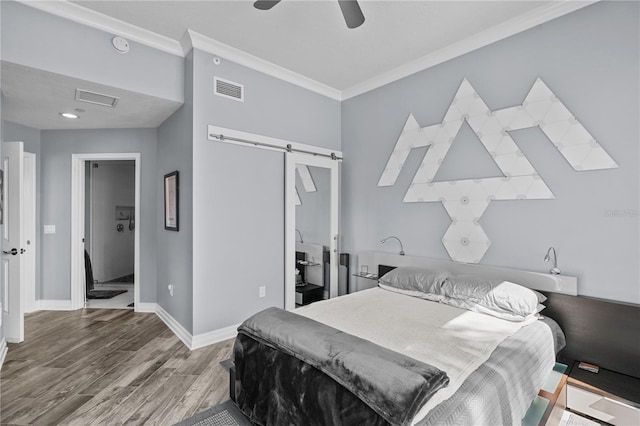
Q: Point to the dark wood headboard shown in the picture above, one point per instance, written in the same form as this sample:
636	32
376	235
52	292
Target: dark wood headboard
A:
383	269
598	331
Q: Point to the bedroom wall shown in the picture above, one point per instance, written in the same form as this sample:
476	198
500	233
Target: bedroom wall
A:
51	43
590	59
238	193
175	249
57	147
32	143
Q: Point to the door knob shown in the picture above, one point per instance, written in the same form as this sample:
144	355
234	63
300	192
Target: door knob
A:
13	251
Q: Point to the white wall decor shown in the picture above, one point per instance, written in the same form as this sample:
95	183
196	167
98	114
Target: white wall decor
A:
466	200
307	181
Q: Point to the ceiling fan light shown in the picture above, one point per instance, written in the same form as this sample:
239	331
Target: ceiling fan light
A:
265	4
352	13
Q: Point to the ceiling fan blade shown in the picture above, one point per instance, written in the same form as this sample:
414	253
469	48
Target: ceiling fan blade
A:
265	4
352	13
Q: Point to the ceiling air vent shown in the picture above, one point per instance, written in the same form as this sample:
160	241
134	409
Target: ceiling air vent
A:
96	98
228	89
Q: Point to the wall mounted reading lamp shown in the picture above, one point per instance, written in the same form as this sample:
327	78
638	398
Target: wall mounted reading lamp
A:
394	237
555	270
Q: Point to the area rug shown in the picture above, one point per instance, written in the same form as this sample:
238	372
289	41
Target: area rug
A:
125	279
225	414
104	294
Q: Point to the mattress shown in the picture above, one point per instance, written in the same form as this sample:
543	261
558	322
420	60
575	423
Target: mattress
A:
496	367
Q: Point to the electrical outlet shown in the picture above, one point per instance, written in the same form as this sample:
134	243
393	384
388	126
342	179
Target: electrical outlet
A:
262	291
170	287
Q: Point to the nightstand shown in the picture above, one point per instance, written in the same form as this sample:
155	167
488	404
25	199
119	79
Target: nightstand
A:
308	293
606	396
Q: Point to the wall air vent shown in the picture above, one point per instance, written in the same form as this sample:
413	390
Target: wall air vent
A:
96	98
228	89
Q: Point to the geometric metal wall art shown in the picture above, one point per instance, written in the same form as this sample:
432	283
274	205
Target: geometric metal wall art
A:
466	200
306	179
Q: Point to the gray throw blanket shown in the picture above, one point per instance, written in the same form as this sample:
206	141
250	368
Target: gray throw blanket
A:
394	385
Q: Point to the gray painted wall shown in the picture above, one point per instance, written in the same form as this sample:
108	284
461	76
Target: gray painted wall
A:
590	59
238	192
48	42
31	138
175	249
57	147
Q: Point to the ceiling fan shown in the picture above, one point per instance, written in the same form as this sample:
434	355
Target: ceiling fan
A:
350	10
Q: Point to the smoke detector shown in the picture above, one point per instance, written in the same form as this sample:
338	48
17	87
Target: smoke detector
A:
120	44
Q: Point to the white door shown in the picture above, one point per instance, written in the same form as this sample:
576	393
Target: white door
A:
12	243
292	160
28	277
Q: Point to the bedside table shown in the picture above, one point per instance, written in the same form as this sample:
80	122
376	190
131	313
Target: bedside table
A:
607	395
308	293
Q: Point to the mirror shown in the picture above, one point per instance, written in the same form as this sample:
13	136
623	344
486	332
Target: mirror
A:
311	229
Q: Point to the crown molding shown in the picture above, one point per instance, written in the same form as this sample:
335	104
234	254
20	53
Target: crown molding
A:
91	18
498	32
207	44
192	39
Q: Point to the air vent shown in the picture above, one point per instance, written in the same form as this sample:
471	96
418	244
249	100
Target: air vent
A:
96	98
228	89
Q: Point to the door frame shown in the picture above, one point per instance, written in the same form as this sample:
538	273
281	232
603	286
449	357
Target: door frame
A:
77	224
291	159
29	231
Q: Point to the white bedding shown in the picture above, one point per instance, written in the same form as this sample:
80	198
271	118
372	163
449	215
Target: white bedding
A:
452	339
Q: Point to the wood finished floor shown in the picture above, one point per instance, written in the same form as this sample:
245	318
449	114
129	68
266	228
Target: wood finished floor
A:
107	367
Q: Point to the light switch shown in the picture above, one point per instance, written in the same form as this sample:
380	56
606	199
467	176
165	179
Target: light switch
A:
49	229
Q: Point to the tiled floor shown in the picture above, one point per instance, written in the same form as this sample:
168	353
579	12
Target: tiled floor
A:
120	301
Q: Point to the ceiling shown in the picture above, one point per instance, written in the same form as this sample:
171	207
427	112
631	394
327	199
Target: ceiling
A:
307	37
34	97
311	38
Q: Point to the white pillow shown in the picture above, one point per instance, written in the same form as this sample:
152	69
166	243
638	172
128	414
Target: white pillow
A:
501	299
414	279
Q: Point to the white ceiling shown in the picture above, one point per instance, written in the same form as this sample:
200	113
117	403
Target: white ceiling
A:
311	38
307	37
34	97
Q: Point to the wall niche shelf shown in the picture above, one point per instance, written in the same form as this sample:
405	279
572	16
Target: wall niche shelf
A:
367	275
307	263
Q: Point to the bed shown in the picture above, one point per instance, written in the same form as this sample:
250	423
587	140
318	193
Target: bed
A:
487	369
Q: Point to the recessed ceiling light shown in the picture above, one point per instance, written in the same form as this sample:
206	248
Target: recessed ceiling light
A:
68	115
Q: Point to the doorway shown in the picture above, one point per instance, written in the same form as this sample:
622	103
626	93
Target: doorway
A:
317	256
122	215
109	233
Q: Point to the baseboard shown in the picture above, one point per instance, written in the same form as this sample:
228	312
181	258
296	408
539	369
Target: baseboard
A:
215	336
3	351
175	326
146	307
199	340
53	305
191	341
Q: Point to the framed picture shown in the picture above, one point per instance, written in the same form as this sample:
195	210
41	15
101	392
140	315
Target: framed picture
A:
171	201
